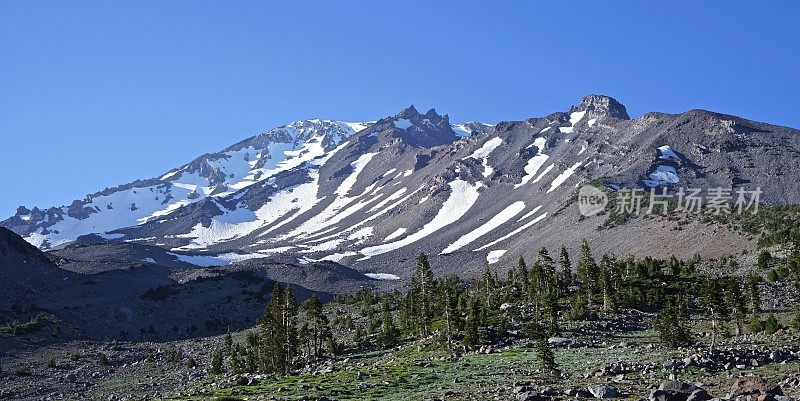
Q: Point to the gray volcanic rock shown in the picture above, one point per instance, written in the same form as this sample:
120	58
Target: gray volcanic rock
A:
602	106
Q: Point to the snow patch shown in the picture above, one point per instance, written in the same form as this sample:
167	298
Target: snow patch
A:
382	276
563	177
396	233
515	232
462	196
497	220
667	153
483	154
574	118
494	256
535	163
662	175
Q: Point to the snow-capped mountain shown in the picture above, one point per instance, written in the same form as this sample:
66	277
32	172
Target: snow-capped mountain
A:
372	195
214	175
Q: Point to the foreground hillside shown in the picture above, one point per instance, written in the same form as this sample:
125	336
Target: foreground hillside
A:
598	328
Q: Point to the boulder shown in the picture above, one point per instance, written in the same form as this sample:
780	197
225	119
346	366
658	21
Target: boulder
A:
753	385
674	390
530	396
603	391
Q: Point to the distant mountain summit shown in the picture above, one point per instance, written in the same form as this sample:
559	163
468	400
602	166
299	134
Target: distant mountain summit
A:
372	195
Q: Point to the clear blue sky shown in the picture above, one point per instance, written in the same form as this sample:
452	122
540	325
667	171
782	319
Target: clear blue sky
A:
95	94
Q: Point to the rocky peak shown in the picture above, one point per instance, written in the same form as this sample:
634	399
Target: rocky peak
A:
601	106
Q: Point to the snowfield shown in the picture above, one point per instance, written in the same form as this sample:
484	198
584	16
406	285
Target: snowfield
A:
494	256
561	178
574	118
667	153
382	276
483	152
535	163
462	196
662	175
496	221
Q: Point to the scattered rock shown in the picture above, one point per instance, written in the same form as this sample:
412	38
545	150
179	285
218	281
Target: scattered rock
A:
753	385
600	391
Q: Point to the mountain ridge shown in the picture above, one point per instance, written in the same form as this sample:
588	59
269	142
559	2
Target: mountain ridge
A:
412	182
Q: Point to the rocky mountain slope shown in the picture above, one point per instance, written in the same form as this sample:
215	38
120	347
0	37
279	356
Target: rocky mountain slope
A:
372	195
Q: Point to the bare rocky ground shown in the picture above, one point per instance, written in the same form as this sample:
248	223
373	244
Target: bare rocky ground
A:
615	356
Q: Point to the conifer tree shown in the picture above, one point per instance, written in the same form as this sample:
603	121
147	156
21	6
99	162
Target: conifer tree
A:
578	311
216	362
522	276
670	325
448	296
536	285
389	332
472	323
565	262
290	336
755	325
735	303
674	266
318	325
587	271
422	287
549	280
771	325
713	307
566	271
607	282
487	285
544	354
764	260
273	332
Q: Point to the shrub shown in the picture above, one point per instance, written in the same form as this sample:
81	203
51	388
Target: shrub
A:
771	324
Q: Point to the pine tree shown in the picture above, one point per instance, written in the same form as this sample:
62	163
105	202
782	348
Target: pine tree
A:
713	307
670	325
273	332
674	266
290	336
228	341
389	332
587	271
318	325
771	325
755	325
566	270
216	362
549	279
544	354
578	311
471	324
448	296
536	285
522	275
607	282
551	307
735	303
422	286
487	285
764	260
